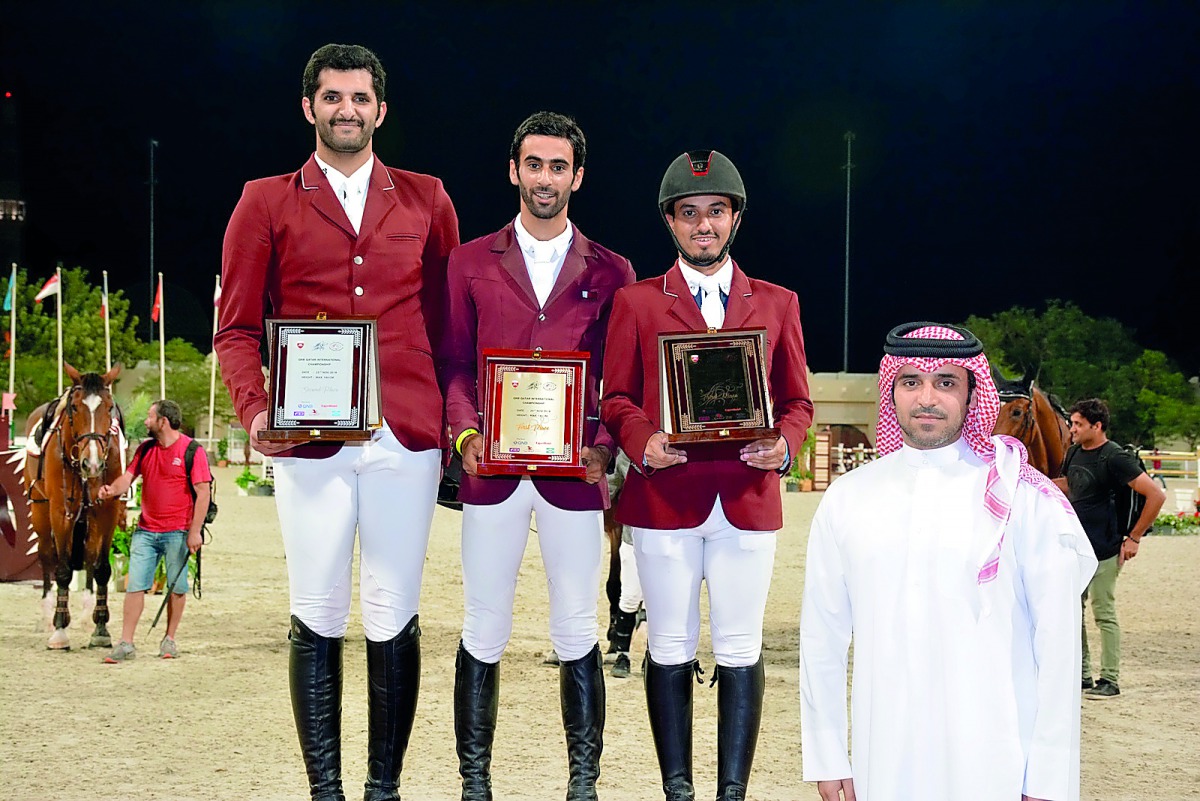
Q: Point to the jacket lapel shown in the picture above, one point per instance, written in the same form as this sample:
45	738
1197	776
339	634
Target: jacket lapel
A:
320	191
683	308
513	262
574	265
381	200
740	308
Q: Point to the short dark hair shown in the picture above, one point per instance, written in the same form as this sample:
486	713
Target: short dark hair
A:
549	123
343	57
170	411
1093	410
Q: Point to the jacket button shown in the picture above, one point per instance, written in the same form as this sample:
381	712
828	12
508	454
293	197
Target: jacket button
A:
358	290
358	259
542	317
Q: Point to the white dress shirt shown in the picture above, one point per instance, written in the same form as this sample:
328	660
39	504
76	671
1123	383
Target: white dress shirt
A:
350	190
543	260
712	287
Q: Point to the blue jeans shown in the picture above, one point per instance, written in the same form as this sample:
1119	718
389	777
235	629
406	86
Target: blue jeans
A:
145	549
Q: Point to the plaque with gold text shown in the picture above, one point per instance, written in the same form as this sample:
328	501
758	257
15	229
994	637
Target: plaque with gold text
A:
533	413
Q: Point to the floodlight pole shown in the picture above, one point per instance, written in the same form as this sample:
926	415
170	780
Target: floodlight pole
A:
848	166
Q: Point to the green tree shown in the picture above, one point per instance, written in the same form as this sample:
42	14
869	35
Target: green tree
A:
188	385
1075	356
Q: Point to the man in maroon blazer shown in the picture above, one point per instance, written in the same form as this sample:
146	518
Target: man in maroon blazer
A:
346	235
536	284
709	513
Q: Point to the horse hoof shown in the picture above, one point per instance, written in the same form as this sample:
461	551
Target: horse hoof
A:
100	642
59	641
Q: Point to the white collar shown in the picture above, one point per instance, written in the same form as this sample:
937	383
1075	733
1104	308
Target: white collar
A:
547	250
356	182
937	457
722	278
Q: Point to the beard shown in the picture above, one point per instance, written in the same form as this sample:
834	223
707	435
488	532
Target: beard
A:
928	440
342	144
701	261
544	212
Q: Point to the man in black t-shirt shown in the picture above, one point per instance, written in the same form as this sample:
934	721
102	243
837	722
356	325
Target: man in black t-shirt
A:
1095	469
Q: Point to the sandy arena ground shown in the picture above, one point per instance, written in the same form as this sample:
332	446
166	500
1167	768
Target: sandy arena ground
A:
217	724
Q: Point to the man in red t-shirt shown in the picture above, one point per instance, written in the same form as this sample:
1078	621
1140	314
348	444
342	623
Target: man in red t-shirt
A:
169	526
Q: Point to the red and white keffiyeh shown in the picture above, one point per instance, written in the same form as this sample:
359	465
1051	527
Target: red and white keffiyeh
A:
1006	457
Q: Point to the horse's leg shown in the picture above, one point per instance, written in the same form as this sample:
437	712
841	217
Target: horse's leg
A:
612	587
101	637
59	640
97	555
47	600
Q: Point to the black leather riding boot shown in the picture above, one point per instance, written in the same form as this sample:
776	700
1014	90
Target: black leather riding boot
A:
581	693
623	626
669	699
476	700
739	713
393	681
315	677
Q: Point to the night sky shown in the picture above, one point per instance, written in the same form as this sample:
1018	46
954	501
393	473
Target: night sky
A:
1005	152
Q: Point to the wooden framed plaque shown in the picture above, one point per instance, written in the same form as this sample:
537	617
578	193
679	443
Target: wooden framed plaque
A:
714	386
323	381
533	412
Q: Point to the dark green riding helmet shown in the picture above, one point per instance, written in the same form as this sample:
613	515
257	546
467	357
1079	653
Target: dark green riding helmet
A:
702	172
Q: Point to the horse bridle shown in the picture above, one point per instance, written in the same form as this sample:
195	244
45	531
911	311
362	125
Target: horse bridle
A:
74	454
1029	423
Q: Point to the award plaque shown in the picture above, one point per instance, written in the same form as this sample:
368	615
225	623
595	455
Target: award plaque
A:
323	382
533	413
714	386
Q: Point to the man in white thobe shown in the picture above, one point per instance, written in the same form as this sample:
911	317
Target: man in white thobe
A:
956	570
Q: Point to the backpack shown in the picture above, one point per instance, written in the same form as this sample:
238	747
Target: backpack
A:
189	459
1129	502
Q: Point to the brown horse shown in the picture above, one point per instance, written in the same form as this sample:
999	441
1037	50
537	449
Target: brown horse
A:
80	453
1036	419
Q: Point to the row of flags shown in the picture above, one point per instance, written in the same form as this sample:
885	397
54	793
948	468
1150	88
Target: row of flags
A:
54	287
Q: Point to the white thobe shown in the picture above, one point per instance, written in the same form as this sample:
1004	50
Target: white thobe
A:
960	690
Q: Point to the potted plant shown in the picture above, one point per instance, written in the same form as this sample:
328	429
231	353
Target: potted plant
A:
245	481
118	557
264	486
222	452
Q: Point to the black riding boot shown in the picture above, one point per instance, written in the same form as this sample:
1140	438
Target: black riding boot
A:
669	699
476	700
393	681
623	625
581	693
739	713
315	676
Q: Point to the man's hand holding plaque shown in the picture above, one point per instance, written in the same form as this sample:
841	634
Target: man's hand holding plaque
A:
766	454
660	454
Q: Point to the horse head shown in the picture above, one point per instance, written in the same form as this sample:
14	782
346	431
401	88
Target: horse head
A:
87	426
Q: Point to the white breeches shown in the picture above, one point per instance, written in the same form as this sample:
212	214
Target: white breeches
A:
385	492
631	584
736	565
493	544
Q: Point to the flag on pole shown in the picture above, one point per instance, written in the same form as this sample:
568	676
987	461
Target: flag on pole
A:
8	297
51	287
217	295
157	307
103	303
